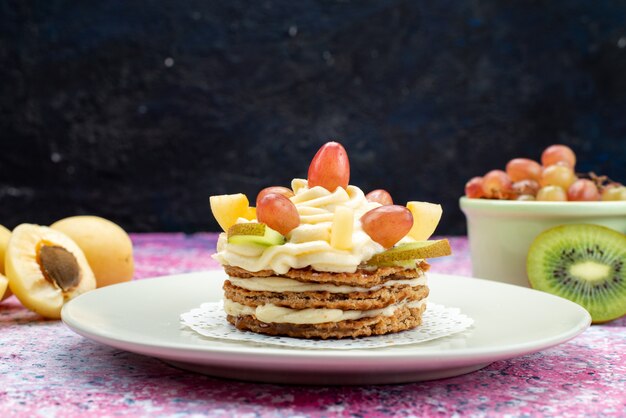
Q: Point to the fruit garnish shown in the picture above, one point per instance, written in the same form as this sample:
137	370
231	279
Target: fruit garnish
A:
582	263
250	214
474	188
274	189
4	285
254	234
426	217
387	225
341	229
252	228
380	196
583	190
532	181
412	251
614	192
556	154
552	194
46	268
107	247
278	212
523	169
558	175
497	184
526	187
330	168
228	208
5	234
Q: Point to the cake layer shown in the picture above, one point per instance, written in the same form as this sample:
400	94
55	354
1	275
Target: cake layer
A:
402	319
283	284
270	313
361	278
377	299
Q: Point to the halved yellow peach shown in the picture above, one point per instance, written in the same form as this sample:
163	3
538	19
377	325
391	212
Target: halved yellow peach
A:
45	269
5	234
4	286
107	247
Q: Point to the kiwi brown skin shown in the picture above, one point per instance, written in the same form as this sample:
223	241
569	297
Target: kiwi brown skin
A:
567	259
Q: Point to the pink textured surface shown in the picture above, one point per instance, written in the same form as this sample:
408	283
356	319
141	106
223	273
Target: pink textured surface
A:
47	370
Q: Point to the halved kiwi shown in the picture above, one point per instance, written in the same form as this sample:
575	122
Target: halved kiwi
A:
583	263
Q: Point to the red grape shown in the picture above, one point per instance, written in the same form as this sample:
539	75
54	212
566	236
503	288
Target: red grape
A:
381	196
526	187
330	168
474	188
558	154
274	189
497	184
387	224
583	190
278	212
523	169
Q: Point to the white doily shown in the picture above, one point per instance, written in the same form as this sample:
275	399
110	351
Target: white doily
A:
209	320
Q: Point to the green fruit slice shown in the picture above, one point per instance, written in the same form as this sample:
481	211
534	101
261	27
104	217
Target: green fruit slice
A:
412	251
583	263
254	233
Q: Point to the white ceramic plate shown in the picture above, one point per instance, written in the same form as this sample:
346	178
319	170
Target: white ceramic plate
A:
143	317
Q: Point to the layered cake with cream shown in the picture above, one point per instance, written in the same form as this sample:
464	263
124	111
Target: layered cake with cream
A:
323	260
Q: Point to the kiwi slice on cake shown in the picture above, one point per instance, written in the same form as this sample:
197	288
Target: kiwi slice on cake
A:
254	233
411	251
583	263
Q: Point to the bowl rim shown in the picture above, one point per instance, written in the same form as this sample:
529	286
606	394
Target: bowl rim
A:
582	209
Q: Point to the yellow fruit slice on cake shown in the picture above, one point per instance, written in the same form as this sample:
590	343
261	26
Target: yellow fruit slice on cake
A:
341	230
227	208
426	217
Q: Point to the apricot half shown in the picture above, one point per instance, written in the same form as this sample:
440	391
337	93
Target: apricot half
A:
5	234
45	269
106	245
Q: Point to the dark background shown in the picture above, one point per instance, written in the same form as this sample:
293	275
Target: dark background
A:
139	110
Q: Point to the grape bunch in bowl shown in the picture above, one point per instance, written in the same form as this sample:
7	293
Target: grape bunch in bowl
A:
554	179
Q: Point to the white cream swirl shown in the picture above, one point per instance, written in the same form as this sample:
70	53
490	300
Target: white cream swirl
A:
309	243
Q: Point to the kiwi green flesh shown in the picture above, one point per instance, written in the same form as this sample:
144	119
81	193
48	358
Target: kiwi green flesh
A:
411	251
268	238
583	263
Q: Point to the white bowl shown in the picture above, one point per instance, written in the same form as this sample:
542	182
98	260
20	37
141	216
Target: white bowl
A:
500	232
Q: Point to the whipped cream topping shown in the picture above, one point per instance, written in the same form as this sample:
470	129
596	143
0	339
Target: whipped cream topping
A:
271	313
309	243
283	284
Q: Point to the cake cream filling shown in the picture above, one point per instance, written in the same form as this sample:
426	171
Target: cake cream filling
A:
270	313
283	284
309	243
